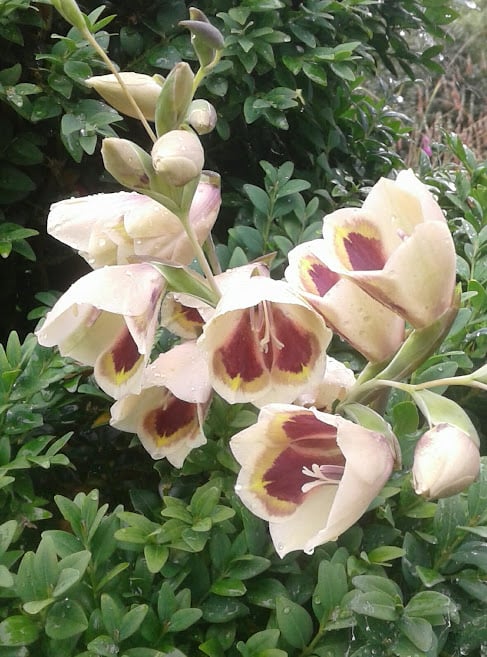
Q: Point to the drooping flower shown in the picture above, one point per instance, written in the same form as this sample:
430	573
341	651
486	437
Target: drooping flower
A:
109	229
371	328
168	413
397	248
144	89
263	343
446	461
310	474
107	320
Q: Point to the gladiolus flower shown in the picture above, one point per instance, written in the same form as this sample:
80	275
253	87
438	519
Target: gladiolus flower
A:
397	248
144	89
370	327
107	320
168	413
446	461
310	474
264	343
109	229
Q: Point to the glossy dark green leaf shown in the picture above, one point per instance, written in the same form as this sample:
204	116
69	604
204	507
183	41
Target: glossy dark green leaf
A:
330	589
294	622
18	631
65	619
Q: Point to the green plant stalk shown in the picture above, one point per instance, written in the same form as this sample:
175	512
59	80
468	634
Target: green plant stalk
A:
199	254
204	70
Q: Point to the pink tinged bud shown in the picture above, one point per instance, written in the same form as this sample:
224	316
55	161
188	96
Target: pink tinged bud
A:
398	249
370	327
107	320
446	461
263	343
178	157
202	116
169	411
145	90
129	164
310	474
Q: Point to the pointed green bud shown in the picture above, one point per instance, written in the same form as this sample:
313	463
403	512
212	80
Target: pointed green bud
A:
71	13
129	164
201	116
173	102
178	157
144	89
206	39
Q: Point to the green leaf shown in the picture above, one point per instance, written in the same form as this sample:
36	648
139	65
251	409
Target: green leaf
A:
375	604
217	609
18	631
330	588
264	640
430	605
418	631
67	578
316	73
65	619
229	587
294	622
155	556
258	197
204	500
368	583
132	620
105	646
385	553
263	592
184	618
247	566
37	606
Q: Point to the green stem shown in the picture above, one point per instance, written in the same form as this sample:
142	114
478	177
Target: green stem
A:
91	39
200	255
204	70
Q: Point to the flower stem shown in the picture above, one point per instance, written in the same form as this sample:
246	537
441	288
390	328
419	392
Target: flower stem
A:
200	255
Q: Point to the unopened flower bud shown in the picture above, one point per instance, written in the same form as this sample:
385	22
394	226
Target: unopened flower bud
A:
144	89
202	116
129	164
70	11
178	156
176	95
446	461
207	40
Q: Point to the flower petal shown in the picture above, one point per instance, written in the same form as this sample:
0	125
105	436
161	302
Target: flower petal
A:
369	464
167	427
119	369
366	324
183	370
263	343
419	279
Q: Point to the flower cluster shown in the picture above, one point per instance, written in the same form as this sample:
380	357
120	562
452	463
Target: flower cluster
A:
382	278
